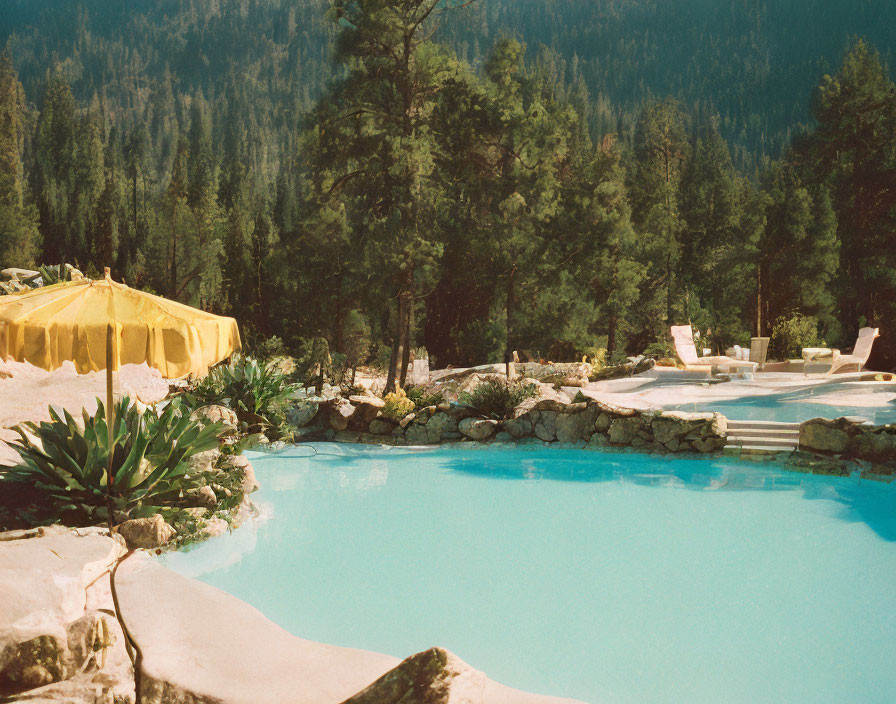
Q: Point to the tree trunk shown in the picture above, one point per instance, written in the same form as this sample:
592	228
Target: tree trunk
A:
509	309
406	354
399	342
668	289
134	185
759	300
174	253
614	313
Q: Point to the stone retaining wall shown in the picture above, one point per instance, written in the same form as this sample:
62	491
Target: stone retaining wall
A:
583	423
852	442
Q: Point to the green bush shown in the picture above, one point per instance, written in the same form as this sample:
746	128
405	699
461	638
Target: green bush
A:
67	460
256	392
497	398
423	397
398	405
662	348
791	333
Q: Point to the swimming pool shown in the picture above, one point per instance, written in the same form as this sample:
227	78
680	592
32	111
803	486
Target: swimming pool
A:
601	576
789	410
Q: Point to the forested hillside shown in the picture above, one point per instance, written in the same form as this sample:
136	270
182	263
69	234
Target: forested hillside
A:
754	62
405	172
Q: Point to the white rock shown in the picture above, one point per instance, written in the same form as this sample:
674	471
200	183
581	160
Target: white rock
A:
211	646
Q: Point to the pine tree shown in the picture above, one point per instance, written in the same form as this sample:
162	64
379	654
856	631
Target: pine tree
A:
18	219
52	176
798	250
712	201
854	152
660	154
374	143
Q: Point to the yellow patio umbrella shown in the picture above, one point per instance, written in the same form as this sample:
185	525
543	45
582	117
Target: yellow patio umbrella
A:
101	324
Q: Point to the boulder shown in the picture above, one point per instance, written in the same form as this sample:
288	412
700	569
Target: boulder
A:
478	428
205	462
380	426
708	444
551	404
619	371
822	435
574	427
302	413
612	408
545	425
519	427
426	430
240	463
877	444
188	634
624	430
366	409
437	676
429	429
57	641
367	400
150	532
339	411
218	414
206	495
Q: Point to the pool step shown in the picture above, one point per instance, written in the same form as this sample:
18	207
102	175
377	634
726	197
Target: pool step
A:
769	424
762	436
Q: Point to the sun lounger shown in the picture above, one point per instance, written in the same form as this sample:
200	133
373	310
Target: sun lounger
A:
860	353
683	337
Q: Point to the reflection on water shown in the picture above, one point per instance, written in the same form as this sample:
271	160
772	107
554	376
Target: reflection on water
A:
862	500
350	470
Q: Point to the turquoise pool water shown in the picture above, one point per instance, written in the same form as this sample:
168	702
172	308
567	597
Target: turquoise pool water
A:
601	576
790	410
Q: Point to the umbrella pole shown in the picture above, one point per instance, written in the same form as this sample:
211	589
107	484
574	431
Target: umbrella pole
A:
110	422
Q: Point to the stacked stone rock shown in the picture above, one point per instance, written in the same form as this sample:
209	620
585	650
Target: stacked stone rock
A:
852	439
552	419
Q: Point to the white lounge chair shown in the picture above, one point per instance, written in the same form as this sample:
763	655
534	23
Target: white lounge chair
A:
860	353
683	337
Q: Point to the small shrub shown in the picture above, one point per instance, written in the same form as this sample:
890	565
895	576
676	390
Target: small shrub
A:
596	357
382	357
66	460
791	333
662	348
423	397
398	405
497	398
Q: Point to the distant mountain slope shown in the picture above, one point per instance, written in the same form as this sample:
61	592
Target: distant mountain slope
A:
755	61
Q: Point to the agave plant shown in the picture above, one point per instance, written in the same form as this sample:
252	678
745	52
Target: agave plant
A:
67	460
256	392
497	398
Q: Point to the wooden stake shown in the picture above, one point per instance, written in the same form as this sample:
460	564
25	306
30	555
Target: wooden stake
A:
110	420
